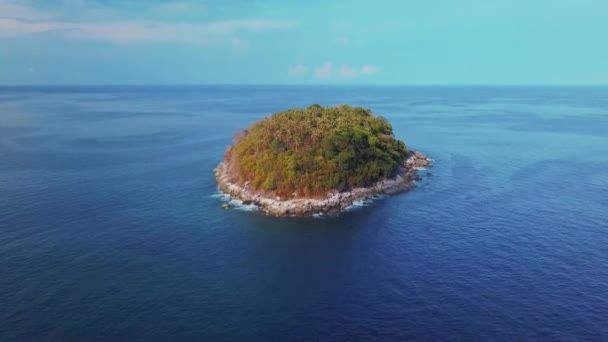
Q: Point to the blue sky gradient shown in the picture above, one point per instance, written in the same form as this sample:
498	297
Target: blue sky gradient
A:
514	42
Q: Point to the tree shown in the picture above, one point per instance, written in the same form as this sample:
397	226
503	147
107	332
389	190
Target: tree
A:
315	150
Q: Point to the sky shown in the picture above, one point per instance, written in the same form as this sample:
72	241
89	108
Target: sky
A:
375	42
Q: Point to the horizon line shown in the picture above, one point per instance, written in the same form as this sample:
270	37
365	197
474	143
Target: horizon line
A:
295	85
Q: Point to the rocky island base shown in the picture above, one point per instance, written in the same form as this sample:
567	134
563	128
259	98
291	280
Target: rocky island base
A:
333	202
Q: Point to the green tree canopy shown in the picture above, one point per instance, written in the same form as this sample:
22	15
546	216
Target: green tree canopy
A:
315	150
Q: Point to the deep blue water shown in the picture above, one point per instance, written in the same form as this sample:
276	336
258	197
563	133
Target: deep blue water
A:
111	228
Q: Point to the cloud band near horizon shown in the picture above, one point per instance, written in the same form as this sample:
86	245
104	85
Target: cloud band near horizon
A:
328	71
19	19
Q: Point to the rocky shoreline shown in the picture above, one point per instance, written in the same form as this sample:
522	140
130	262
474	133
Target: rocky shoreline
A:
333	202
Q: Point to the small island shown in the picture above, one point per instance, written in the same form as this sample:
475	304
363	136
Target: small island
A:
317	160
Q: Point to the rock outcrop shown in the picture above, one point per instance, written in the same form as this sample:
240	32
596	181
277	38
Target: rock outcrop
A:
333	202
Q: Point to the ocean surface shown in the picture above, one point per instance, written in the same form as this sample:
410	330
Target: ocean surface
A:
111	226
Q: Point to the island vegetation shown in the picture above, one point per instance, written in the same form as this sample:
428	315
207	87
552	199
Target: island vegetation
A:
316	160
311	151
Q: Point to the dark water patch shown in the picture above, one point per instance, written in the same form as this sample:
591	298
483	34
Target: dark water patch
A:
15	131
37	141
13	98
571	124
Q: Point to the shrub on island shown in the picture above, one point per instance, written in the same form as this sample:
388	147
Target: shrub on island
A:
310	152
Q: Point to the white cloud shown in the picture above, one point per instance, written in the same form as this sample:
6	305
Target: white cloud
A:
14	27
95	9
297	70
18	10
17	19
125	32
323	71
344	71
347	72
369	69
180	8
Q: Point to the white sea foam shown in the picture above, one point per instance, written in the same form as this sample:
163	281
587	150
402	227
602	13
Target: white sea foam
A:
220	195
235	203
239	205
364	203
359	204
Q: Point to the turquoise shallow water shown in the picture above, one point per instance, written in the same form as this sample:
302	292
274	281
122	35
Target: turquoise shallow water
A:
111	227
